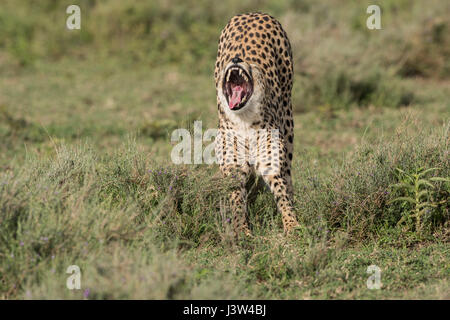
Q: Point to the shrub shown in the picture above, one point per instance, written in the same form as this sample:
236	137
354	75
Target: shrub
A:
358	197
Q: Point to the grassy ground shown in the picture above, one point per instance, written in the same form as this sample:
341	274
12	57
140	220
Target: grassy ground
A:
86	177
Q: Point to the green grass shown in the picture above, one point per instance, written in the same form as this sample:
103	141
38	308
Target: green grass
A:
86	177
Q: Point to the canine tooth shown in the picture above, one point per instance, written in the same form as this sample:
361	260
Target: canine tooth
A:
240	72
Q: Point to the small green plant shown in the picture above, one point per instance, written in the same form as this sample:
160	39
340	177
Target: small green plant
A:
417	195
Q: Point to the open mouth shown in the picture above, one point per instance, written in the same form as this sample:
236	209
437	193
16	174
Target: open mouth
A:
238	87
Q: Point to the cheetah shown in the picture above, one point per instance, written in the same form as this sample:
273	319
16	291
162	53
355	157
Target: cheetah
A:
253	79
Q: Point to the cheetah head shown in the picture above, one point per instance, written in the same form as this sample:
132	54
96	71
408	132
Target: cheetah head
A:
240	87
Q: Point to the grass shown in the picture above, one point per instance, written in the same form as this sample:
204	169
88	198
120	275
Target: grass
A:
85	175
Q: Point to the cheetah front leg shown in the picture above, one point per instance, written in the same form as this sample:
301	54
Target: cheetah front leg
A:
238	200
280	190
239	210
274	165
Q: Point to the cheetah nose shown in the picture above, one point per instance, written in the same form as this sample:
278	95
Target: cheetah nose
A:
236	60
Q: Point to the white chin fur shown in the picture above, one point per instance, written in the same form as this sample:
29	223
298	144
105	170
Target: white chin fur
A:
250	111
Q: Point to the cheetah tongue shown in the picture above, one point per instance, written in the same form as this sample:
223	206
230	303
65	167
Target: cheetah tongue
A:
235	97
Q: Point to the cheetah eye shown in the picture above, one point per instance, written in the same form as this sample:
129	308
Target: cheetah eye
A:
237	87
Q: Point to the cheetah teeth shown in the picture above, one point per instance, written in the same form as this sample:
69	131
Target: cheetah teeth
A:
240	72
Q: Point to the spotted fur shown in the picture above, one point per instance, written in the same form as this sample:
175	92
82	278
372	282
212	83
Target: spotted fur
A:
257	44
